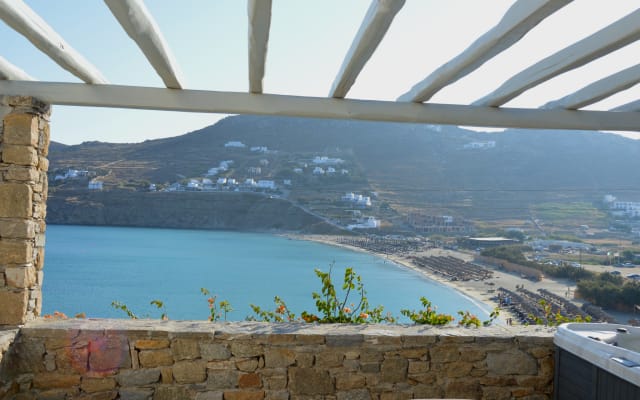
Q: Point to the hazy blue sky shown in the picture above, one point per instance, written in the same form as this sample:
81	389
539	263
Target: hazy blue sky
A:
308	41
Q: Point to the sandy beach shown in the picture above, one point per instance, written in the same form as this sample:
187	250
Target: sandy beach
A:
480	291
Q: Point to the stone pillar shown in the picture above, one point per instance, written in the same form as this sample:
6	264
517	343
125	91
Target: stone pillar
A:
24	144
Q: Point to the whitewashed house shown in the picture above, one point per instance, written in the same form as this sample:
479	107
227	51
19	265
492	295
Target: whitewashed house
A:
267	184
298	170
235	144
318	171
250	182
331	171
95	185
221	181
152	187
324	160
286	182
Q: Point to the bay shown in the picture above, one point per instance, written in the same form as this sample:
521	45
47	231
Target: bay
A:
88	267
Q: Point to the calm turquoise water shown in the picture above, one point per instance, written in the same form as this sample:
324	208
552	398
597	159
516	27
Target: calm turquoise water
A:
86	268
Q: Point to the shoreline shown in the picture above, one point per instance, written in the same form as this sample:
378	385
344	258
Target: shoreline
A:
477	291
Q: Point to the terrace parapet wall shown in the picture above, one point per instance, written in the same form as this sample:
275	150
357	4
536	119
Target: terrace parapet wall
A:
143	359
24	144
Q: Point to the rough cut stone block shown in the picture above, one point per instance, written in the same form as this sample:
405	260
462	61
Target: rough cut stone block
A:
151	344
21	173
190	371
511	362
209	396
17	228
155	358
15	251
185	349
309	381
138	377
15	200
109	354
247	365
244	349
171	393
21	155
279	357
359	394
91	385
136	394
214	351
350	381
43	163
394	370
21	129
249	381
14	307
20	277
222	379
54	380
244	395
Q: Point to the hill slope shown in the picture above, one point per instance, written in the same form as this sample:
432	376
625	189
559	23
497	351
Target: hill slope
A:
411	166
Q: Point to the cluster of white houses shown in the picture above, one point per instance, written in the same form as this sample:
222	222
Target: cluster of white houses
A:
622	208
208	185
357	200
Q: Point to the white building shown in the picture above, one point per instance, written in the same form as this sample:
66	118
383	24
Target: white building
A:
357	199
231	181
235	144
266	184
250	182
286	182
324	160
366	223
331	170
481	145
297	170
254	170
95	185
259	149
318	171
221	181
629	208
152	187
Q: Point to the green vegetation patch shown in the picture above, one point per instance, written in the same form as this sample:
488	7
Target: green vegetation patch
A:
570	214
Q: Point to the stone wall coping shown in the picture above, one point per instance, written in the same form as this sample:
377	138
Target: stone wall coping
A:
40	327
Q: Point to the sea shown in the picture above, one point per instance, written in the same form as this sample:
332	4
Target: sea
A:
87	268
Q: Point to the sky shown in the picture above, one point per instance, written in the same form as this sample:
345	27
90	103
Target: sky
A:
307	44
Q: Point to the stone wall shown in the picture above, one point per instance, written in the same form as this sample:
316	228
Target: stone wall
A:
104	359
24	143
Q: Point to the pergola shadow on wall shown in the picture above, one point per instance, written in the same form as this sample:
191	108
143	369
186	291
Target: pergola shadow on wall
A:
25	132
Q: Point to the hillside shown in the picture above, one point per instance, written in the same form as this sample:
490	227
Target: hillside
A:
412	167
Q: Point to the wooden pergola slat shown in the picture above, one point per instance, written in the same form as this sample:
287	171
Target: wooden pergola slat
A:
137	21
259	12
599	90
523	16
622	32
634	106
11	72
375	25
25	21
75	94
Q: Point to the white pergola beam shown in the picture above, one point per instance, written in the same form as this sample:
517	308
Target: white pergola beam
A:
523	16
11	72
634	106
375	25
74	94
620	33
599	90
137	21
259	12
25	21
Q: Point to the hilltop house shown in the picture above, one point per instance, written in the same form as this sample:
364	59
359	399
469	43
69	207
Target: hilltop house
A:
324	160
235	144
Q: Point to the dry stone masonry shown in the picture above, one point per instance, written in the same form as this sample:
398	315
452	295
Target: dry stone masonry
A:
104	359
24	144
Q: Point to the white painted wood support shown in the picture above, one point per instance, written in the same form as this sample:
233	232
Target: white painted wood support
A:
137	21
375	25
11	72
521	17
259	12
629	107
620	33
25	21
598	90
75	94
